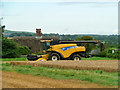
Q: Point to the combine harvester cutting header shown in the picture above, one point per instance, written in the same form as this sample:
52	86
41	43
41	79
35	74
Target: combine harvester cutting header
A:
61	50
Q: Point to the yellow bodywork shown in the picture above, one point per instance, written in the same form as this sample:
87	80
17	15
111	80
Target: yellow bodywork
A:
69	49
64	49
44	58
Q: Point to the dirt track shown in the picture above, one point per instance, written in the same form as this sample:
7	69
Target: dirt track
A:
106	65
16	80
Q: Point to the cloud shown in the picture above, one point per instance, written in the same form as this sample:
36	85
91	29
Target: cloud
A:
115	31
71	3
59	0
90	4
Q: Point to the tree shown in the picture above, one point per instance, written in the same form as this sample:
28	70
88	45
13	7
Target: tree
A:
88	46
9	49
1	37
24	50
85	38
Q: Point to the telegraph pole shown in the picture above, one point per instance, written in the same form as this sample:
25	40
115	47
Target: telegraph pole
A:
1	21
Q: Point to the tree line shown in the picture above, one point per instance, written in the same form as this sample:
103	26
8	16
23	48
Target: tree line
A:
112	40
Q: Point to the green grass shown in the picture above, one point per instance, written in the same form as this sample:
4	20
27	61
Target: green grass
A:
98	58
13	59
24	58
98	76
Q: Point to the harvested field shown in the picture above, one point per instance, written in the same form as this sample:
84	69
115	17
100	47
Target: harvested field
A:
105	65
17	80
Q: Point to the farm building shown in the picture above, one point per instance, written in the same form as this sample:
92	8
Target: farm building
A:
33	42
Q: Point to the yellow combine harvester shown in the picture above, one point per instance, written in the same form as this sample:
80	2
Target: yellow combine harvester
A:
59	51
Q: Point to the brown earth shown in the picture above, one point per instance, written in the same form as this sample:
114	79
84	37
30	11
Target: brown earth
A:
16	80
106	65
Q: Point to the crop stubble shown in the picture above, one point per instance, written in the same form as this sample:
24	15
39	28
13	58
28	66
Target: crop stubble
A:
105	65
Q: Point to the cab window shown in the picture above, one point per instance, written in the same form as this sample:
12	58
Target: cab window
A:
45	45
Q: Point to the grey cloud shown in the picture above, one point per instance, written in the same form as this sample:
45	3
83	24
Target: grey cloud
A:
92	4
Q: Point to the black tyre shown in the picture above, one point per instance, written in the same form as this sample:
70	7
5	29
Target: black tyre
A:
76	57
54	57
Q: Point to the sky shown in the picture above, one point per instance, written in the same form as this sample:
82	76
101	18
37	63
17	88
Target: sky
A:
61	16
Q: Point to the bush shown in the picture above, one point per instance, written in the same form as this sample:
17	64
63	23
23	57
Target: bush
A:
9	49
102	54
24	50
113	55
108	53
116	54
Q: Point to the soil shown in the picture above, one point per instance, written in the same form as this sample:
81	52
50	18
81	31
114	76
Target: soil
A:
17	80
106	65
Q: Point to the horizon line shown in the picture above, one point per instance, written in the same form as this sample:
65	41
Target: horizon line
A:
69	33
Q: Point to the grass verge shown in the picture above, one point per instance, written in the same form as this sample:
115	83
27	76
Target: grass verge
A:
98	76
98	58
24	58
13	59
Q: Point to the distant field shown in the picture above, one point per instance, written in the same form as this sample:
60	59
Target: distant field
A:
24	58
